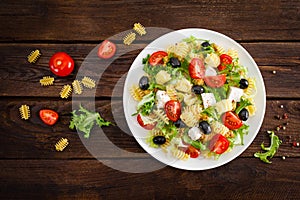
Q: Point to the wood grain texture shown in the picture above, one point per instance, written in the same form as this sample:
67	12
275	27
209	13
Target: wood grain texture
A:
19	78
242	178
33	139
97	20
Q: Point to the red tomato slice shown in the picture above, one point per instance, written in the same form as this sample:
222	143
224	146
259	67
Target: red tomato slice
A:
225	60
215	81
106	50
49	117
157	58
197	68
145	126
61	64
231	120
173	110
218	144
193	152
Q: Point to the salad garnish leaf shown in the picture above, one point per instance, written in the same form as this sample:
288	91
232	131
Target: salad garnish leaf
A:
85	121
243	130
145	106
242	104
271	150
197	144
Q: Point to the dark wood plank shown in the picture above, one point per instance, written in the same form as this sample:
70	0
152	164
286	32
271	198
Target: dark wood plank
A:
19	78
33	139
242	178
97	20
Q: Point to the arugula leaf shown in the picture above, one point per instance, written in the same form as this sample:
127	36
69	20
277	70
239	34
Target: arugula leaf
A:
271	150
146	59
243	130
145	106
85	121
211	112
242	104
196	144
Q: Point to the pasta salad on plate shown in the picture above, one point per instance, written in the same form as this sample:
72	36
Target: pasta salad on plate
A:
194	99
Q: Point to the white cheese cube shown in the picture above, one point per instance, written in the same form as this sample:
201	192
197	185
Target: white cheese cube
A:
208	99
162	98
195	133
235	94
210	71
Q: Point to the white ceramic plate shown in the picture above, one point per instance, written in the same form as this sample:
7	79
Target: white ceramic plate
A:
136	71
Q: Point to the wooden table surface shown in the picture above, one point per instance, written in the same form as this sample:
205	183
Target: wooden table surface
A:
30	167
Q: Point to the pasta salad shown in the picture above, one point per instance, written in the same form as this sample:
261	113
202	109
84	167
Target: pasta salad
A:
195	99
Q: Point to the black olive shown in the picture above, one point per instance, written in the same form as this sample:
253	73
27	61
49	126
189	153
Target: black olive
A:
205	44
179	124
205	127
197	89
144	83
243	83
244	114
174	62
159	139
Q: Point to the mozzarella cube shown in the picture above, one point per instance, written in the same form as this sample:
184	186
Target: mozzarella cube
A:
235	94
195	133
162	98
208	99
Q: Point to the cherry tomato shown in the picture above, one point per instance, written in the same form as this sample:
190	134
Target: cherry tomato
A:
225	60
173	110
215	81
197	68
193	152
231	120
106	50
49	117
218	144
157	58
61	64
145	126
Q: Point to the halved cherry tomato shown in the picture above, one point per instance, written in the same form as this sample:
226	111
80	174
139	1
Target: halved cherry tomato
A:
173	110
192	151
197	68
224	60
157	58
49	117
218	144
61	64
215	81
145	126
106	50
231	120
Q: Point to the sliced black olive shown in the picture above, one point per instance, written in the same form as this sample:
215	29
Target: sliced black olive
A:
159	139
144	83
205	44
174	62
243	83
198	89
205	127
179	124
244	114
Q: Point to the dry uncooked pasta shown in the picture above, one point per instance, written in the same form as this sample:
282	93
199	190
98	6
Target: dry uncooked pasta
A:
47	80
65	91
61	144
34	56
24	112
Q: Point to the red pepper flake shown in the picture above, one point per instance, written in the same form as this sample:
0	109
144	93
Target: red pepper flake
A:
285	116
296	144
